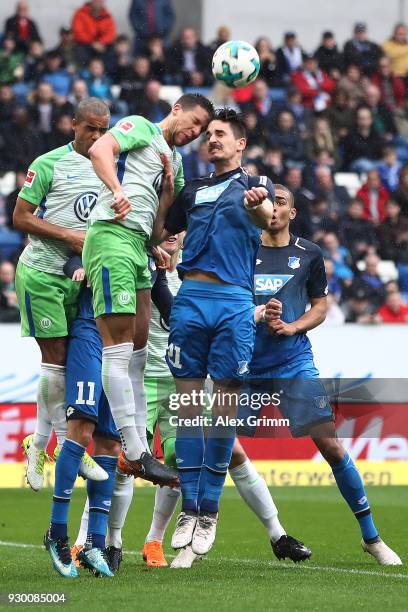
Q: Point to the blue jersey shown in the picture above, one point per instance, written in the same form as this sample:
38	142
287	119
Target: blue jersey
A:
293	275
221	237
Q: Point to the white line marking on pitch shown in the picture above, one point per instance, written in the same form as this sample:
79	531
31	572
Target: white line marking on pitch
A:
299	568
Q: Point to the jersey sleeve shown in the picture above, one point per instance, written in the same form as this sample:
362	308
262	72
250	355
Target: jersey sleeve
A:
262	181
73	264
38	182
317	281
162	297
179	180
176	219
133	132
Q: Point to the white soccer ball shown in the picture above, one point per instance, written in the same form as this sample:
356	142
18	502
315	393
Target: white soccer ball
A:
236	63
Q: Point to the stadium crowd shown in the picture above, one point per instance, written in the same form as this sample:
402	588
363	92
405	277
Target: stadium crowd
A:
332	125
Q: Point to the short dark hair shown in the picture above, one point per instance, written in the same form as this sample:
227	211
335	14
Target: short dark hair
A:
288	191
91	105
236	121
190	100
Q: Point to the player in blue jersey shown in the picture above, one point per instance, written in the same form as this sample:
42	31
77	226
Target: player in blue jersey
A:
212	321
290	274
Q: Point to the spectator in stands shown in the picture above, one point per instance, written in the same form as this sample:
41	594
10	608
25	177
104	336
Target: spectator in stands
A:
255	130
223	36
392	88
289	57
389	168
67	50
371	276
11	58
383	120
61	132
374	197
363	145
334	284
340	257
79	91
94	30
55	74
352	83
361	51
190	61
395	310
134	81
149	17
269	70
336	195
7	103
303	116
356	233
9	311
20	142
321	139
11	199
328	56
314	84
393	234
44	110
196	162
98	82
151	105
401	193
357	308
401	139
339	114
155	51
334	314
261	103
286	137
34	62
320	220
396	49
273	164
21	27
303	198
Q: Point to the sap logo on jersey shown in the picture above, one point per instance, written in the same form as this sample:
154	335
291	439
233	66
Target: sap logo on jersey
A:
270	284
84	204
211	194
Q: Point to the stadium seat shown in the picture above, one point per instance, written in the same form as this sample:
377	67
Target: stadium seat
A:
387	270
350	180
170	93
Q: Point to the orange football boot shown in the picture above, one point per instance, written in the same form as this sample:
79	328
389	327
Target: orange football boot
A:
153	554
74	551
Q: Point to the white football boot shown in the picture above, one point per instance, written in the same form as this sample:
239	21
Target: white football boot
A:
35	463
204	533
383	553
185	558
183	533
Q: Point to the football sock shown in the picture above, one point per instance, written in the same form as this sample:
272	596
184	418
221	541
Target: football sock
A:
100	497
218	452
83	529
121	500
118	390
190	456
66	471
254	491
50	404
165	503
136	373
352	489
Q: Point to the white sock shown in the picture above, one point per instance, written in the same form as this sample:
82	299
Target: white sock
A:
253	490
164	506
121	500
50	405
137	366
83	530
118	389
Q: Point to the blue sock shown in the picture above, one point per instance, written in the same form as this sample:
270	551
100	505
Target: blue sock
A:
189	457
66	471
100	497
352	489
217	458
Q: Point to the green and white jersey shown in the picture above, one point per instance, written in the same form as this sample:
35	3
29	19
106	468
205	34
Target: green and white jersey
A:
140	172
158	335
63	186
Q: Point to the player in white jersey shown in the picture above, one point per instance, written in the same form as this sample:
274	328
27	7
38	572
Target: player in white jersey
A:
58	195
130	161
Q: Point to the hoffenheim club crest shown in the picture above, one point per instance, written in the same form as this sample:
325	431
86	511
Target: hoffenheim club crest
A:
294	262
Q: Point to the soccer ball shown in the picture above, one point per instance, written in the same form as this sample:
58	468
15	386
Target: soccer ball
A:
236	63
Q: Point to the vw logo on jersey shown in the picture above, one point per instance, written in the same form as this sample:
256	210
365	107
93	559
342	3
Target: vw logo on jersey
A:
294	262
270	284
84	204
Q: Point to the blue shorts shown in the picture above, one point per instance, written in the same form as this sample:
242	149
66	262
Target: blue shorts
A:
212	331
84	396
299	395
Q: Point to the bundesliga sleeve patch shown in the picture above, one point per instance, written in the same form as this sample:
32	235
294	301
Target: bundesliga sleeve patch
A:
125	126
30	178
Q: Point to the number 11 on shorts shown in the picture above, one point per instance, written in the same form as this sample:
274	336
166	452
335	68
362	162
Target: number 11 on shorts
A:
91	394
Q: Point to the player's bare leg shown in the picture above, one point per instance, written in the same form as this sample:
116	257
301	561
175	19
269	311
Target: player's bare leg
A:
352	489
254	491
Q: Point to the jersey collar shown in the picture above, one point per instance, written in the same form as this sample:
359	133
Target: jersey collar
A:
225	175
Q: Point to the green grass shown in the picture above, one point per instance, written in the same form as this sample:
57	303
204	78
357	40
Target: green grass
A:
240	573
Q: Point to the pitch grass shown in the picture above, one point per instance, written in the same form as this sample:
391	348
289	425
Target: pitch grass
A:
239	574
